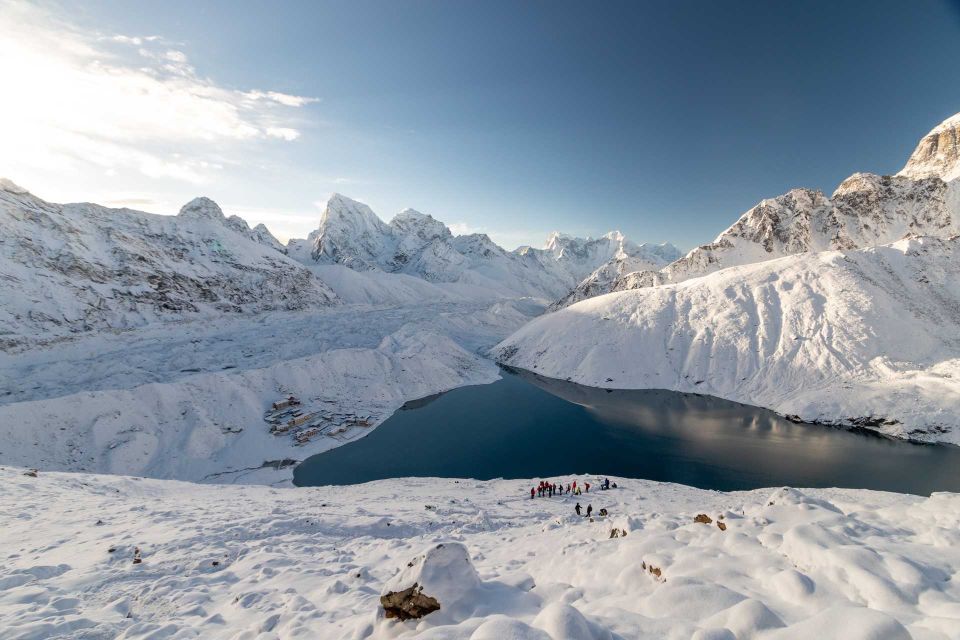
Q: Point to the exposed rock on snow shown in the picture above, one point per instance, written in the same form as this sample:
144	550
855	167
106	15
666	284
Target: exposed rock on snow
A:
440	577
223	562
938	154
864	337
865	210
629	258
77	268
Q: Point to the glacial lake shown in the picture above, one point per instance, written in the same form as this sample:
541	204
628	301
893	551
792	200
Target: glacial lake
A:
527	426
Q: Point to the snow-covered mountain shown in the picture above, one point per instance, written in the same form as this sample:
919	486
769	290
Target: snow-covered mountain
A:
73	268
938	154
862	337
628	257
416	244
865	210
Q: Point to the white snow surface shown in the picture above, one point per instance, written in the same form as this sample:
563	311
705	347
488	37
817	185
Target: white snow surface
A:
867	336
80	268
238	562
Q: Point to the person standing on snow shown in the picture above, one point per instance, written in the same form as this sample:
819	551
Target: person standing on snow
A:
577	508
533	493
586	487
589	510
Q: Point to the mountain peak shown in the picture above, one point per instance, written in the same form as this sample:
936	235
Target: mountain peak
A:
938	154
202	209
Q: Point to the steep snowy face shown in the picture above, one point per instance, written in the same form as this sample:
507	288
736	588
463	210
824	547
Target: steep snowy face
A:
202	209
938	154
629	258
74	268
579	257
351	234
868	336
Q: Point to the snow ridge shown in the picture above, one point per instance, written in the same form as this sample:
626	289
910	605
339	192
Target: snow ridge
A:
865	210
75	268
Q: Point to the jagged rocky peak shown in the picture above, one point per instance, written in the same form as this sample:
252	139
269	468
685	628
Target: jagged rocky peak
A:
781	224
202	208
422	225
340	208
938	154
350	233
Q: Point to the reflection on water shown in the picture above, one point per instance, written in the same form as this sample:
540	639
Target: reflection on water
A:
527	426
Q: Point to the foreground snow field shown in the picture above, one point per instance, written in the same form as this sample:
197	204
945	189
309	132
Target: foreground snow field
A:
868	337
255	562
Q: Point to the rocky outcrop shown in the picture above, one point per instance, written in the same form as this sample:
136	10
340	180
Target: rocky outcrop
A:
441	577
411	603
938	154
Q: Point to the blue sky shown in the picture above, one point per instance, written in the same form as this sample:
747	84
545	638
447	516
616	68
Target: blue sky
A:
664	120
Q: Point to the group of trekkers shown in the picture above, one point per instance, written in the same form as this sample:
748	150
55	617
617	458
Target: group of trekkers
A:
549	489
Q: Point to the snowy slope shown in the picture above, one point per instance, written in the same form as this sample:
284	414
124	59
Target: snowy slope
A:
865	210
253	562
76	268
416	244
862	336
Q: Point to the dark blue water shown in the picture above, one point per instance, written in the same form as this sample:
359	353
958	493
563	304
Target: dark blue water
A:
527	426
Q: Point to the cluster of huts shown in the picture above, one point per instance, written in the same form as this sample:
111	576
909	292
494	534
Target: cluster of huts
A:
287	416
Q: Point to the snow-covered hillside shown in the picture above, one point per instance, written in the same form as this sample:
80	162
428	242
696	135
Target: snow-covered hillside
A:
115	557
80	268
413	243
865	210
865	337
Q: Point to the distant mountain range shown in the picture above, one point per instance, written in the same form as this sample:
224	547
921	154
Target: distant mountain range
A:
77	268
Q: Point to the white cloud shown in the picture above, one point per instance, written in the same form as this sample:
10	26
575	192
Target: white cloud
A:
76	102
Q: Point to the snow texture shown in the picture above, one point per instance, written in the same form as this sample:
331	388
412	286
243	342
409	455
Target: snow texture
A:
866	337
245	561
